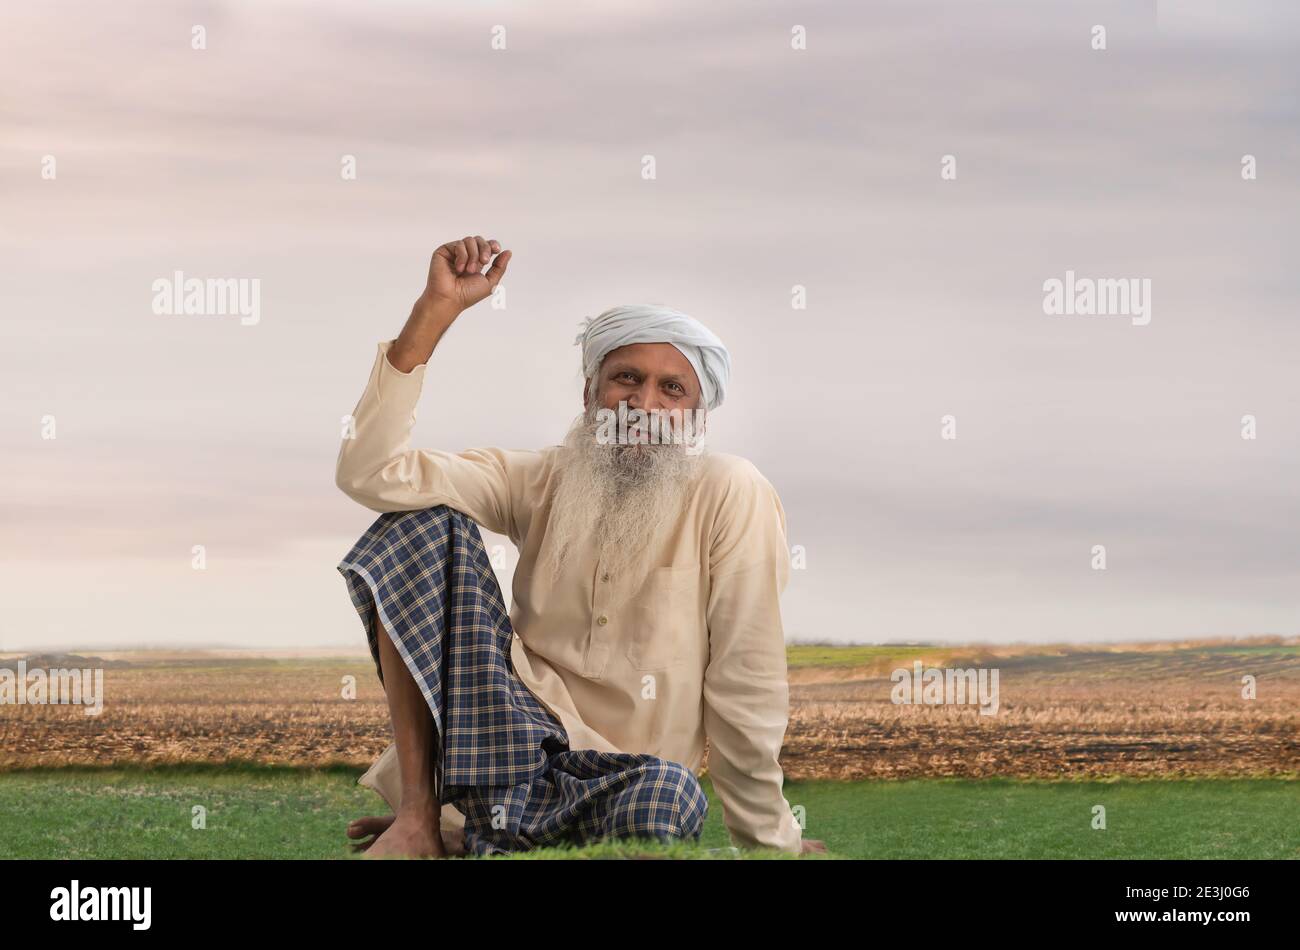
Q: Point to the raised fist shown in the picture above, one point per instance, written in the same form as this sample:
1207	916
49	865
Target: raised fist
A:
456	279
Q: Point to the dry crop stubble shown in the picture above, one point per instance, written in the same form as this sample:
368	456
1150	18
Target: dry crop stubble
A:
1142	711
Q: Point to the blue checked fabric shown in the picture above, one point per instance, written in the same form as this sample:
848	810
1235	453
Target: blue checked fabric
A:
501	757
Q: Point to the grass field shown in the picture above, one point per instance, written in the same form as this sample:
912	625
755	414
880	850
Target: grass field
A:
275	812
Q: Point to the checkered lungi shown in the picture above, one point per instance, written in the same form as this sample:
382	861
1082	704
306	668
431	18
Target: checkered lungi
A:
501	757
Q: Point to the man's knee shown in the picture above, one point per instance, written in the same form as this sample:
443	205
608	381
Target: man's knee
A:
426	523
667	802
434	513
693	804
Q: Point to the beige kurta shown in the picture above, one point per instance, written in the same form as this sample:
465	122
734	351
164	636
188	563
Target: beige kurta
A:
692	646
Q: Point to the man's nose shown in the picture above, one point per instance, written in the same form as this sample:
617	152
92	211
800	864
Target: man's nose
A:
647	398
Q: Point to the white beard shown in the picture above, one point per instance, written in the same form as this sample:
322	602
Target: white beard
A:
621	499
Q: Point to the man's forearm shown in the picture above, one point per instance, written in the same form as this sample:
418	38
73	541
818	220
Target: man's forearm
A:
424	328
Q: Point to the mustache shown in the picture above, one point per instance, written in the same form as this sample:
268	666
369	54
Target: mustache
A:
655	427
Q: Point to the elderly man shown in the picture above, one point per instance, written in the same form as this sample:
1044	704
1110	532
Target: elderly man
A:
645	615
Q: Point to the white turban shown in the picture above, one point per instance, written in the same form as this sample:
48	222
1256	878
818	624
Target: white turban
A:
648	323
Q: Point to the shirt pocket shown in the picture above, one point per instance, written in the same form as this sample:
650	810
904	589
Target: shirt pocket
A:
666	618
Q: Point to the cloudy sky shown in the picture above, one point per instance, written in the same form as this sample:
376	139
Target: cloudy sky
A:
775	168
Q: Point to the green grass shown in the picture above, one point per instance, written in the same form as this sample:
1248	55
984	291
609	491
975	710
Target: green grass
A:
834	655
809	654
1013	818
270	812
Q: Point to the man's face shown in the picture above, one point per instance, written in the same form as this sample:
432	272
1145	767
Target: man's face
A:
647	376
621	496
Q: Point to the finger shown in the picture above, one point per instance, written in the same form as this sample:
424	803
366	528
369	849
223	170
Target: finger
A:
495	246
471	253
455	255
484	252
370	825
498	269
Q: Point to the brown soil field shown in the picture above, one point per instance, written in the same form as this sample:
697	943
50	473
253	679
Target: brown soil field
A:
1151	710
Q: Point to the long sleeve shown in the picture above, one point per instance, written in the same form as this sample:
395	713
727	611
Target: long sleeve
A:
746	687
378	468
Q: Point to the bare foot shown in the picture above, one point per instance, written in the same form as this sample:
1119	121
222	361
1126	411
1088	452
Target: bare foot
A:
408	836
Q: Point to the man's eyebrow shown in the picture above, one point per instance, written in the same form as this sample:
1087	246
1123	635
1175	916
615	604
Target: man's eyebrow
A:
669	377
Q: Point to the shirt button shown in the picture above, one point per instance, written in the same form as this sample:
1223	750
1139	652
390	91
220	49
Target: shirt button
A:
604	577
602	620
